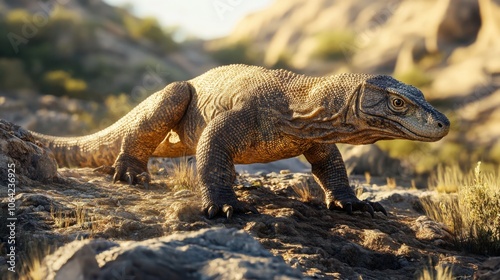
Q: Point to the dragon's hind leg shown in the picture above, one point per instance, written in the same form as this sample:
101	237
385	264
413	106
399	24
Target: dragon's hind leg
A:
147	126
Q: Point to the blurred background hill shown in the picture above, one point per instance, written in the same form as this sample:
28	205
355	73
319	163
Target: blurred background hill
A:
72	67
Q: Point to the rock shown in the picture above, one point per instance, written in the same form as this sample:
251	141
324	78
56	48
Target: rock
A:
460	22
217	253
370	158
489	270
427	229
36	200
23	155
379	241
81	263
290	164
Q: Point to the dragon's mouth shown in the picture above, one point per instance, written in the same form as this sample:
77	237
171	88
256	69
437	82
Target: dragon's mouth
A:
412	135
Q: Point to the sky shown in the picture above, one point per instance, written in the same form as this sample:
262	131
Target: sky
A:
206	19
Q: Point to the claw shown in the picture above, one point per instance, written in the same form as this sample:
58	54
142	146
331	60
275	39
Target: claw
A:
212	211
383	211
367	207
144	178
350	205
228	210
329	205
130	178
378	207
348	208
253	209
116	178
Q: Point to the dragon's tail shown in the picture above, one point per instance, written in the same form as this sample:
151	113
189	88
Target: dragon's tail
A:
86	151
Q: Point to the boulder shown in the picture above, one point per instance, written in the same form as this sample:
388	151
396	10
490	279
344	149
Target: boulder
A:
489	270
23	156
216	253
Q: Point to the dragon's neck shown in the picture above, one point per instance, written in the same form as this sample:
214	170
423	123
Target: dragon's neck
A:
328	113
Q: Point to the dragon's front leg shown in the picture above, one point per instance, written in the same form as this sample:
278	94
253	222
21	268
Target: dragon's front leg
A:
225	136
329	171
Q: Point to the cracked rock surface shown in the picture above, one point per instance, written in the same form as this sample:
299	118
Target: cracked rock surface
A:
216	253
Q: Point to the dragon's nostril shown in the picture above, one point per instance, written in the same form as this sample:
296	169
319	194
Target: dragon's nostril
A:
440	124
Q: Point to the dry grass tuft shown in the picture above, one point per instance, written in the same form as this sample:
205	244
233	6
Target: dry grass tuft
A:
183	175
64	219
438	273
32	258
61	218
305	191
391	183
473	212
368	177
359	190
447	179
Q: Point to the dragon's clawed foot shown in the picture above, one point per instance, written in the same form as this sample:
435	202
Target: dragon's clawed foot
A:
127	169
351	205
228	209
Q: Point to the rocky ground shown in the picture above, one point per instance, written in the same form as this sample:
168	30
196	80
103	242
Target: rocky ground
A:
298	228
293	224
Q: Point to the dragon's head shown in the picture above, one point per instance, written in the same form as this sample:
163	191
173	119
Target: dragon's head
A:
392	109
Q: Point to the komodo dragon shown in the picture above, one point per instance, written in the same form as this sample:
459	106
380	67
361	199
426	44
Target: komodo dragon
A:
241	114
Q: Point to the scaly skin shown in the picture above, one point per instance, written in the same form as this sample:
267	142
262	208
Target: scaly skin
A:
245	114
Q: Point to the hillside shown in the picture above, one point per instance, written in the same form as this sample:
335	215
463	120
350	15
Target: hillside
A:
100	59
452	53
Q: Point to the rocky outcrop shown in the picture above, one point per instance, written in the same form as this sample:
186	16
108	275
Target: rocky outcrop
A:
22	156
216	253
489	270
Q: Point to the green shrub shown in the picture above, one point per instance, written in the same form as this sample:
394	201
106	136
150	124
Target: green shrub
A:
61	83
67	42
283	61
240	52
12	74
415	77
430	60
401	148
449	152
117	106
149	29
335	45
15	19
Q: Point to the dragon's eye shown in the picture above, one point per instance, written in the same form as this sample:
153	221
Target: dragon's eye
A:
398	102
